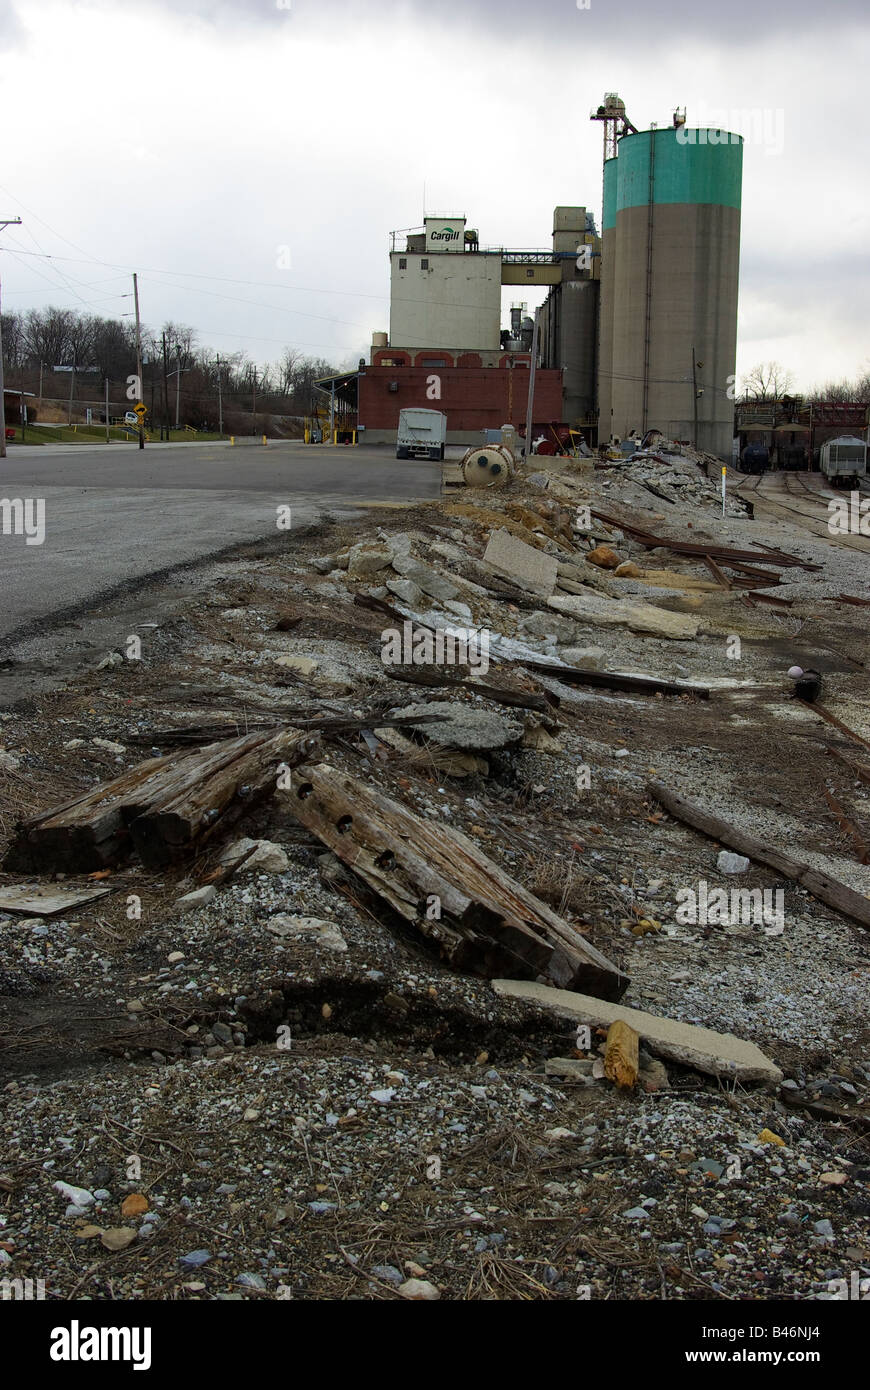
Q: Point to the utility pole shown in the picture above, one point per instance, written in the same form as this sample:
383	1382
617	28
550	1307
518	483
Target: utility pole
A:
254	423
220	400
138	358
165	389
107	410
695	397
72	382
531	401
177	382
4	222
40	385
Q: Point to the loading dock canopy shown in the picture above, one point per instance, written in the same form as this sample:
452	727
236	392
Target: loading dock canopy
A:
345	386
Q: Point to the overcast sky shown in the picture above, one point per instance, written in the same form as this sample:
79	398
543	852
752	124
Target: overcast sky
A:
193	140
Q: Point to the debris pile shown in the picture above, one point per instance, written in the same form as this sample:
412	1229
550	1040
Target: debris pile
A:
372	915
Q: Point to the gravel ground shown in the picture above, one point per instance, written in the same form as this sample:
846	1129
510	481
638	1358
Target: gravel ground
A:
255	1107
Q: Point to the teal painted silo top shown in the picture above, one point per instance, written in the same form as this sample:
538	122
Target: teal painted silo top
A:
705	166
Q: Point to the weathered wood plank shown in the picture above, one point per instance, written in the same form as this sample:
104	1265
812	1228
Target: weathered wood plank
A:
422	869
828	890
163	806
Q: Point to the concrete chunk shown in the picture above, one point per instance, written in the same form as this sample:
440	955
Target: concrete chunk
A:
367	558
461	725
524	566
432	583
639	617
718	1054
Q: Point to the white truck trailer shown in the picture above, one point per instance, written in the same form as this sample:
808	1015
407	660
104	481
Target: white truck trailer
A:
843	461
421	434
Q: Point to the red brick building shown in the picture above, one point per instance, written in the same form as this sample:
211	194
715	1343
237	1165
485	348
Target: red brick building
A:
472	396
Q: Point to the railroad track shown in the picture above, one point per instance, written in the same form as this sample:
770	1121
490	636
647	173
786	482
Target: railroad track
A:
814	513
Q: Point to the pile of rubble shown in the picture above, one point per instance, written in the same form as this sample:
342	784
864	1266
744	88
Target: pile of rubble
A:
678	474
354	915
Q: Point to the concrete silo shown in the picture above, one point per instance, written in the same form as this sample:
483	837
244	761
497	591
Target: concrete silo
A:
606	300
670	255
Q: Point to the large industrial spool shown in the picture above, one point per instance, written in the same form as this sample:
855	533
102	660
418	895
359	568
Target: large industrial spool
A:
490	466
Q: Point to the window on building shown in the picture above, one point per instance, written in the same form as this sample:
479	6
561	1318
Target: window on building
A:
403	263
424	263
434	362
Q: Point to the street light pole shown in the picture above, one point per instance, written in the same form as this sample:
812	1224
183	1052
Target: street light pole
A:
220	401
177	383
138	359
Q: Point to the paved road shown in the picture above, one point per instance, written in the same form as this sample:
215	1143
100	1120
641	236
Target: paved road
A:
115	513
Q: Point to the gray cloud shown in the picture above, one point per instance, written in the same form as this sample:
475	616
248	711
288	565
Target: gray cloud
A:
562	23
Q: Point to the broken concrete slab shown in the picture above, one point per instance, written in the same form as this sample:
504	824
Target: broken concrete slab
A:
305	665
462	726
583	656
545	624
198	898
36	901
569	1068
314	929
644	618
368	558
264	856
432	583
524	566
718	1054
406	590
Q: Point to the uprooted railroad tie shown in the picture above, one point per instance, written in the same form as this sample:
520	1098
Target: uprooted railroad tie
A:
828	890
438	879
169	807
164	808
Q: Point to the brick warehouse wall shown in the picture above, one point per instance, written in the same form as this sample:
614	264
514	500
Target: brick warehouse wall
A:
472	399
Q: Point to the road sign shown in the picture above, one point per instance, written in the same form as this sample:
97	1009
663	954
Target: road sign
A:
141	410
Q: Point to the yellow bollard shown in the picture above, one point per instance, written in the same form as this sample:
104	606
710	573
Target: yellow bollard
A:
265	441
232	439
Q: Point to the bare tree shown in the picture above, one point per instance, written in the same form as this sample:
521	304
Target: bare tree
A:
286	369
180	344
768	381
113	347
47	336
14	343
